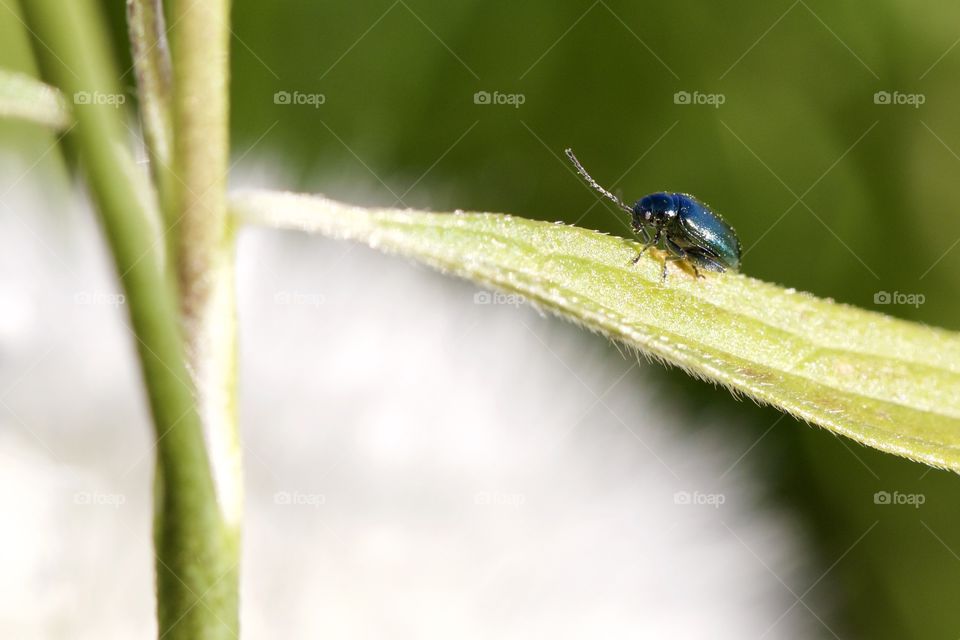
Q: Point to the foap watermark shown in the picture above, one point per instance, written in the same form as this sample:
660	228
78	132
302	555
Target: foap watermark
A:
897	297
97	298
298	298
498	297
512	99
696	98
98	499
911	499
299	98
895	97
99	98
699	498
299	499
500	499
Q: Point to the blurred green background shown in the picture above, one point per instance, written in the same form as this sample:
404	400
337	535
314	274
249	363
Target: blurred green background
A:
877	185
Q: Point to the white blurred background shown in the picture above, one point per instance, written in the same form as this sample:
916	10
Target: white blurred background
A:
421	461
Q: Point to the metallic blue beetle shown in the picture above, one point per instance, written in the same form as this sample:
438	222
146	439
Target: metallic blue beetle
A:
681	224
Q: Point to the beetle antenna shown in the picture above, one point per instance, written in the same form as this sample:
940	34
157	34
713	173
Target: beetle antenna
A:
593	183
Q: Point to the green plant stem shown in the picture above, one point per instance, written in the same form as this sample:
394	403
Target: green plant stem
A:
27	99
196	553
151	59
199	45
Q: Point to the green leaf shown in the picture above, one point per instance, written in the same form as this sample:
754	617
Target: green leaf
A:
887	383
25	98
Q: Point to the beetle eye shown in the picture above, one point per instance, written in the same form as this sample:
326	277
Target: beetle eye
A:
646	215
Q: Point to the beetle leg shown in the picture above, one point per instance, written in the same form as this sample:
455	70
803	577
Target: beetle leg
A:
647	241
642	230
678	253
707	262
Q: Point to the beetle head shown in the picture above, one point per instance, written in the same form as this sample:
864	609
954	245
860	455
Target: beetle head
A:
656	209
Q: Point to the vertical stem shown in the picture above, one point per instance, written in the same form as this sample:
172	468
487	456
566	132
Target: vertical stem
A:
196	543
199	44
151	59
